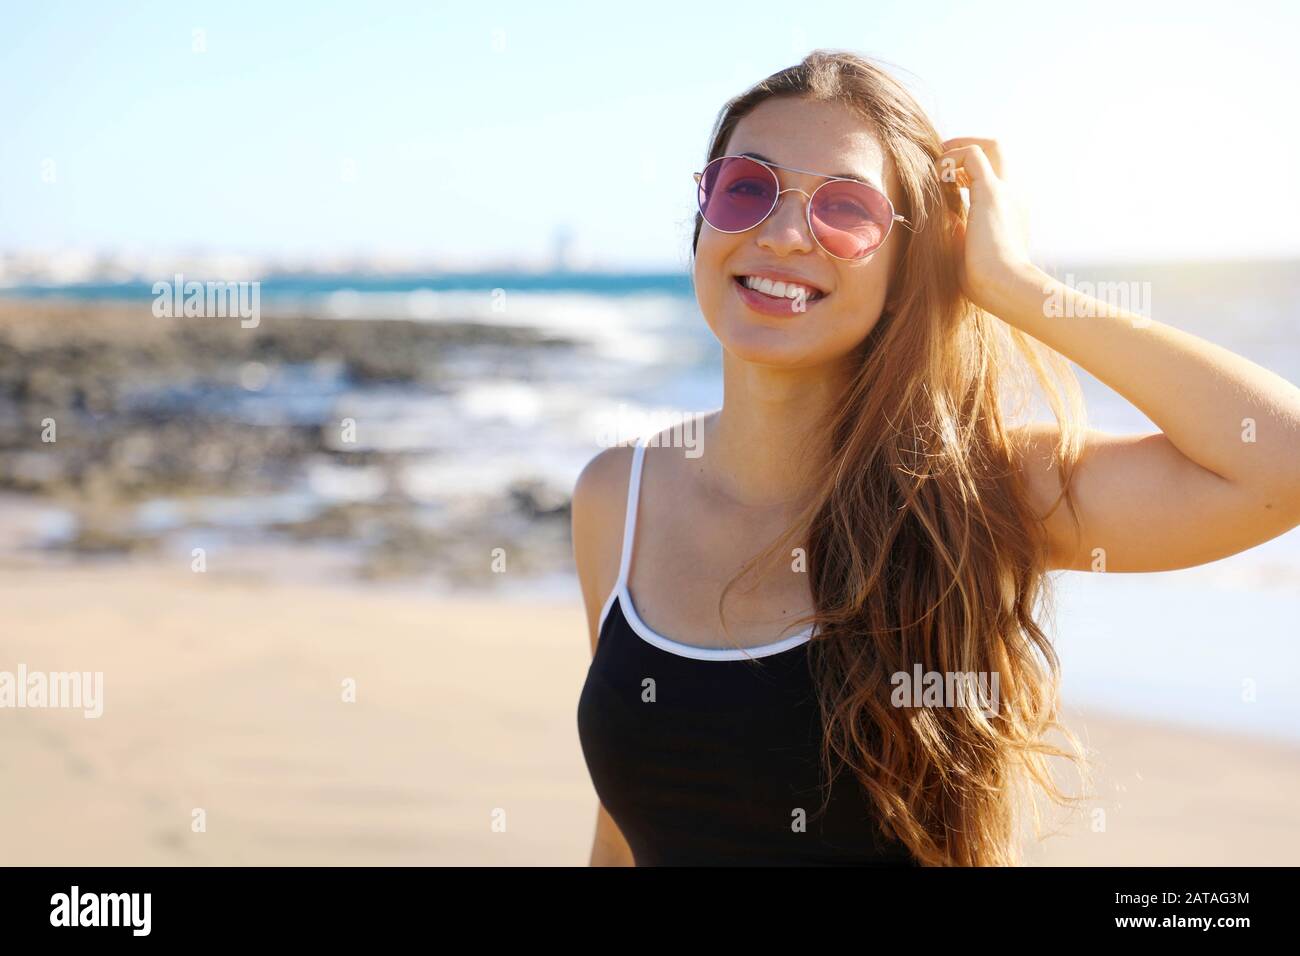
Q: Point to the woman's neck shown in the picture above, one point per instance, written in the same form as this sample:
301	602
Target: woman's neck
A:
762	449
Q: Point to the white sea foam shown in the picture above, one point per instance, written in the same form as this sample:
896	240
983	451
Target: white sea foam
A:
625	328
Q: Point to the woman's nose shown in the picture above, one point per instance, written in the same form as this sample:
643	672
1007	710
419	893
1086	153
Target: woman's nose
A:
786	229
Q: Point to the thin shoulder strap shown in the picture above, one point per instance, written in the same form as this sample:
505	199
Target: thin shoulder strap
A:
629	521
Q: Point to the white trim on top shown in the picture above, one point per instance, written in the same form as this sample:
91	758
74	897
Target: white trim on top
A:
703	653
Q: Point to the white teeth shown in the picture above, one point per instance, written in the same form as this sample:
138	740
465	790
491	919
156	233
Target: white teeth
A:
782	290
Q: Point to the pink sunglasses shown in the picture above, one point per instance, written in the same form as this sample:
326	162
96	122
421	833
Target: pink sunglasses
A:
849	218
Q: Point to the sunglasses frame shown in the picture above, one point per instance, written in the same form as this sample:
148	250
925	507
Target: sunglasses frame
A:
776	201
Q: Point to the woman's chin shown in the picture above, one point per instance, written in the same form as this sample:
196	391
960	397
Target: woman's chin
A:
782	344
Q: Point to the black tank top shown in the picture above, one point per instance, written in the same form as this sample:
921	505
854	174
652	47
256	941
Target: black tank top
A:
710	756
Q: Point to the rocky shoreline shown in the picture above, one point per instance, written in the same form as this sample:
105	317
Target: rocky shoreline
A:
106	408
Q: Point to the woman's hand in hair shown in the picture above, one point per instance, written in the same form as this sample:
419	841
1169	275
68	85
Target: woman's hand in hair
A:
994	258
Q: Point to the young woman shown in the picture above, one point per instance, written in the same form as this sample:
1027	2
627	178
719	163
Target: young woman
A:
890	520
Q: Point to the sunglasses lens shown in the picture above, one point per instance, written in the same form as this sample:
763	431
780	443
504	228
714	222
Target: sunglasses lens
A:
736	193
850	220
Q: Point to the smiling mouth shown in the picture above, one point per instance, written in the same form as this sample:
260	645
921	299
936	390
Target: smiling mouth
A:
782	292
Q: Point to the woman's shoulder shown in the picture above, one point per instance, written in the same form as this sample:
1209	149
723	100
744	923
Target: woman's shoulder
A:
597	504
600	493
596	513
602	483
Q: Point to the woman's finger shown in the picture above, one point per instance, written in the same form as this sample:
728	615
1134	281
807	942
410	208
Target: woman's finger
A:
990	148
967	160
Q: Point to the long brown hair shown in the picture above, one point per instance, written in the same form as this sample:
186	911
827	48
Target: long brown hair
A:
921	542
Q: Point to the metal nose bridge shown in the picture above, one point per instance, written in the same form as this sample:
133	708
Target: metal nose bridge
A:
789	189
807	208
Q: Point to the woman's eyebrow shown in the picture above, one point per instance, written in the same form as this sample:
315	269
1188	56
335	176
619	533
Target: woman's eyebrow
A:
860	178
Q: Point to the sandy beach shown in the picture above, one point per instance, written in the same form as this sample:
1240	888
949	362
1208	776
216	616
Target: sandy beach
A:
227	695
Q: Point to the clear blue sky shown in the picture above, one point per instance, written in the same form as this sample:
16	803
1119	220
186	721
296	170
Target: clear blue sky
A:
471	129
